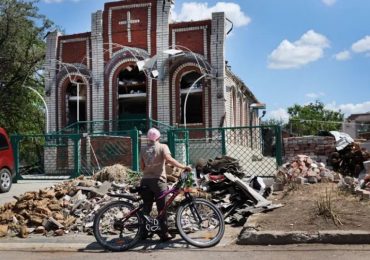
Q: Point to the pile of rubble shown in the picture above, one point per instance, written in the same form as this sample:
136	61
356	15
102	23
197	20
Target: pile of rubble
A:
302	169
349	160
65	207
360	185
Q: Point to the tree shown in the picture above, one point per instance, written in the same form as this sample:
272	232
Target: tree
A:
312	118
22	51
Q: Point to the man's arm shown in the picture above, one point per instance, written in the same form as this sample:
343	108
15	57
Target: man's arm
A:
169	159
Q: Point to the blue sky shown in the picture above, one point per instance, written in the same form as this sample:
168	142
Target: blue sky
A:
287	51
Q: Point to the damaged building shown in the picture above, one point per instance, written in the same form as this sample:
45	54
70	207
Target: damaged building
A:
137	64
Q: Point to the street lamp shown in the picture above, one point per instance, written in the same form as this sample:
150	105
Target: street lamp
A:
2	84
45	105
187	95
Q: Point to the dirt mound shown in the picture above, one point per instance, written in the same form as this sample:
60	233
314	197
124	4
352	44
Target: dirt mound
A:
302	206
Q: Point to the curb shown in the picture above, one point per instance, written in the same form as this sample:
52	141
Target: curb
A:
337	237
46	247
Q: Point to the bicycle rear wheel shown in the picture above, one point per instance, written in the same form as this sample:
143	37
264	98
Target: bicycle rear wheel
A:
200	223
115	228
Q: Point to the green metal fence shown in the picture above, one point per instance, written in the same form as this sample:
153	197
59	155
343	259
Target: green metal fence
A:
63	156
258	149
84	148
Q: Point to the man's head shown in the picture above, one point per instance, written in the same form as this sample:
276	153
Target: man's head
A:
153	134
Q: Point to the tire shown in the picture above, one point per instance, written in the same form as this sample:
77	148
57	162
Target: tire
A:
111	233
5	180
209	233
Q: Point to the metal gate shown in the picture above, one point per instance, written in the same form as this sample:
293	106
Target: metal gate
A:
64	156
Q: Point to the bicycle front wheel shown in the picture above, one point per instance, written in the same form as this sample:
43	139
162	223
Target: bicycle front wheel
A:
116	228
200	223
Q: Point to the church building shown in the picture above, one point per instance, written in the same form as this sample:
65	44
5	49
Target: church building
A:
136	63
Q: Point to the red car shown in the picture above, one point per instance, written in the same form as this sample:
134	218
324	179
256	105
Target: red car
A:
6	162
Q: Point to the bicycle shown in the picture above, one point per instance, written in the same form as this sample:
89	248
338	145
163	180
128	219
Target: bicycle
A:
119	225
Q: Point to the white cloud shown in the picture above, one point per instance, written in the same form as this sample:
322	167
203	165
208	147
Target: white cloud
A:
329	2
315	95
343	55
279	114
362	45
350	108
200	11
309	48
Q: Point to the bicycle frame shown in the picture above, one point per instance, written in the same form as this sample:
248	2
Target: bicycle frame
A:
175	191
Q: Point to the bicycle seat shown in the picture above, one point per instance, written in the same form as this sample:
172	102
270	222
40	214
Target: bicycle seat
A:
126	196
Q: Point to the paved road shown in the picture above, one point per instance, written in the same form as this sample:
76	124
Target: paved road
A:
232	252
22	187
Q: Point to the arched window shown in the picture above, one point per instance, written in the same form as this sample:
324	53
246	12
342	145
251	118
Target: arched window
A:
194	106
132	96
76	102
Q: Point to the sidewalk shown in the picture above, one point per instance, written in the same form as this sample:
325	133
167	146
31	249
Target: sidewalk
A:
84	242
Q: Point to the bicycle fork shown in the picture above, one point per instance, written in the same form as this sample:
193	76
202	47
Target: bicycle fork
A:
193	209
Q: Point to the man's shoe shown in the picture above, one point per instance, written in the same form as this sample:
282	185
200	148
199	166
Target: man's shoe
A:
166	237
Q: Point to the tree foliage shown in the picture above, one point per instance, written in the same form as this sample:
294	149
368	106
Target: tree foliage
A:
312	118
22	51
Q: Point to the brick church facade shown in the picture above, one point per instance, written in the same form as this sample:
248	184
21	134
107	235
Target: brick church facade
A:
95	76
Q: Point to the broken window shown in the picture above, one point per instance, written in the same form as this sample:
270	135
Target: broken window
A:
194	106
131	93
76	102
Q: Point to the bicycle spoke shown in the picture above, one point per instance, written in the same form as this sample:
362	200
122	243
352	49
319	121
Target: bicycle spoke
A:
200	223
115	228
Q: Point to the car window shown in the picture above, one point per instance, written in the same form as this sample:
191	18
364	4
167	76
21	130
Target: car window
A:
3	142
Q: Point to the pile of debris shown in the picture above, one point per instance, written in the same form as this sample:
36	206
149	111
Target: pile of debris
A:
237	198
302	169
65	207
349	160
360	185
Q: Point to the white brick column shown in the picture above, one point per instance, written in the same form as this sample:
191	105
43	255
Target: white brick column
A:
97	53
163	83
218	64
50	77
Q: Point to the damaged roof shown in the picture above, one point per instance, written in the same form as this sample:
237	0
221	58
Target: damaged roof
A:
243	87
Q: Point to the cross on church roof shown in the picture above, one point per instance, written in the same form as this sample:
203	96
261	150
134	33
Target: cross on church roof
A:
128	22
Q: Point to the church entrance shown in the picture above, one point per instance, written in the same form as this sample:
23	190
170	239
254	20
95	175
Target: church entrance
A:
132	97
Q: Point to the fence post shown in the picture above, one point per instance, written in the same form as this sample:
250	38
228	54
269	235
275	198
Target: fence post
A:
171	142
279	146
77	158
223	141
135	149
15	139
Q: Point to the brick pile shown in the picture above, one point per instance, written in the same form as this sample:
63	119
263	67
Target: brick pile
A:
319	148
66	207
302	169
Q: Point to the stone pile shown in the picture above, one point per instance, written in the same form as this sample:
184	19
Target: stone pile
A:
65	207
302	169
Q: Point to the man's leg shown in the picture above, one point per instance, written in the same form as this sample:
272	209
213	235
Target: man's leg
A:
161	187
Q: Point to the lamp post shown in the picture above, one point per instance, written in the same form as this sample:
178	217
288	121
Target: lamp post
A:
45	105
3	84
187	95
